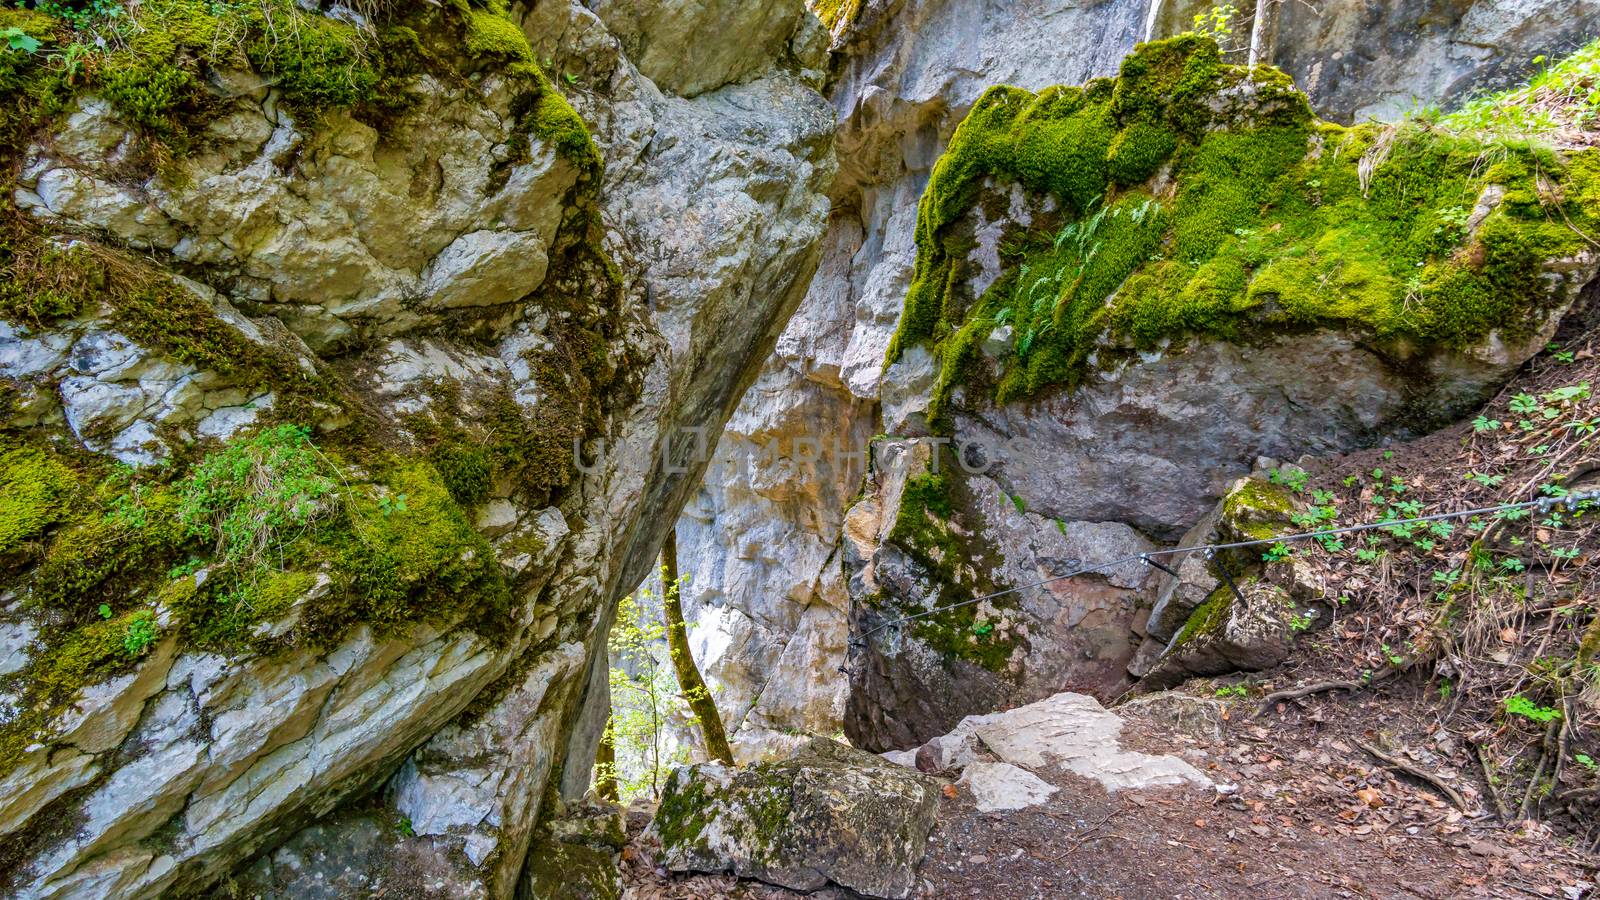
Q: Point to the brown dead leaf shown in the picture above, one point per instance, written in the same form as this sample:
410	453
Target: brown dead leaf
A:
1370	797
1508	635
950	791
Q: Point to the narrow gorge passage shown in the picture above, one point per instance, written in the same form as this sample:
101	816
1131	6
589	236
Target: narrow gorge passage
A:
358	358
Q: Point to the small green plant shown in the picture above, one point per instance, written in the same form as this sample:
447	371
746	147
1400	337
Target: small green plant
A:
1524	404
1519	705
105	611
1484	423
1568	394
1300	622
645	699
1394	658
1293	479
1276	553
1216	23
406	828
80	13
250	497
390	505
1587	761
140	635
19	41
1231	691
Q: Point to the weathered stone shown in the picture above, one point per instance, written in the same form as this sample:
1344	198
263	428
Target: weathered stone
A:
1075	733
576	856
1177	597
683	45
1359	62
1198	717
828	814
1250	631
1001	787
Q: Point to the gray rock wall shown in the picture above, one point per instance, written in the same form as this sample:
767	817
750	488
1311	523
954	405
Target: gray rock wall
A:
401	260
904	74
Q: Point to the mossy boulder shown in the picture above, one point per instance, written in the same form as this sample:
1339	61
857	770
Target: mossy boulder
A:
1250	631
1198	200
829	814
576	856
1202	624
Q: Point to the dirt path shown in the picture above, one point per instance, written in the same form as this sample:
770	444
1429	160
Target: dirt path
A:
1302	811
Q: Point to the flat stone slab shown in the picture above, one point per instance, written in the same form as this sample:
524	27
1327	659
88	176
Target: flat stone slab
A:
1076	733
998	787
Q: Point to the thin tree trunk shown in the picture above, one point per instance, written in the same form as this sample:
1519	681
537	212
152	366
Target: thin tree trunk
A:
689	680
605	761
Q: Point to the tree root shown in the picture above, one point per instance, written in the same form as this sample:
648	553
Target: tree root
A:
1419	773
1545	752
1295	693
1488	781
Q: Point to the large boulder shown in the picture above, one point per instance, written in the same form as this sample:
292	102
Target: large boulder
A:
828	814
488	391
577	856
1131	291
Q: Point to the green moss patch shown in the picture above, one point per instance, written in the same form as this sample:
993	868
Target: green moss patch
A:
248	531
1257	510
1177	219
1207	618
939	527
836	14
35	490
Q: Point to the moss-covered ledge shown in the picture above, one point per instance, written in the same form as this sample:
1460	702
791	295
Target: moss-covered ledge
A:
262	545
1194	197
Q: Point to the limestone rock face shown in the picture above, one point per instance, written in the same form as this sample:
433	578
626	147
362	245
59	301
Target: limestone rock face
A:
761	541
828	814
906	73
683	46
1080	443
715	210
720	202
447	270
323	255
228	753
1358	61
912	558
